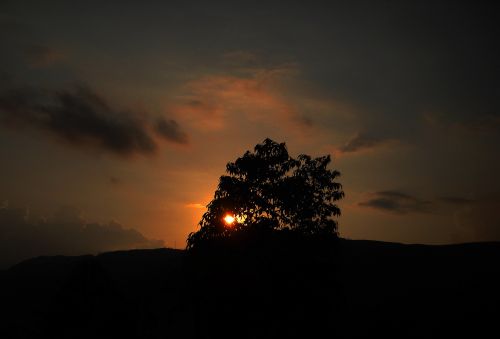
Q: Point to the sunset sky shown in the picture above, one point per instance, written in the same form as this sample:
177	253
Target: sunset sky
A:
122	114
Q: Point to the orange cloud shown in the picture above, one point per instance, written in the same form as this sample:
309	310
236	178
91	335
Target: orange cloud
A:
257	95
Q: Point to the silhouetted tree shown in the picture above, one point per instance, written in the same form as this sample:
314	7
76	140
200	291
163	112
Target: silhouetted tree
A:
268	189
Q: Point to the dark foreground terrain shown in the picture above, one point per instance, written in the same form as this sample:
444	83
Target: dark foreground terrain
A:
265	289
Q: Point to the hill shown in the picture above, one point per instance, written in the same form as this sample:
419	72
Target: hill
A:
345	289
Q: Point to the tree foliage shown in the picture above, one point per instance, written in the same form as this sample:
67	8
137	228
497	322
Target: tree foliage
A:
268	189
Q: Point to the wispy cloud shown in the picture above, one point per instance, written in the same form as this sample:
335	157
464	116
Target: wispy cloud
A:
170	130
362	141
253	94
396	202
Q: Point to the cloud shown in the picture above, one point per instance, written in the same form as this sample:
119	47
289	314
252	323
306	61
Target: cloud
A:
64	233
82	118
396	202
254	95
474	219
170	130
363	141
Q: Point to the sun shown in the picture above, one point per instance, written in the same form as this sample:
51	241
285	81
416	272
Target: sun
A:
229	219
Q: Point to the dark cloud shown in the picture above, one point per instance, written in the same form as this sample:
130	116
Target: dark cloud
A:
474	219
170	130
65	233
396	202
363	141
82	118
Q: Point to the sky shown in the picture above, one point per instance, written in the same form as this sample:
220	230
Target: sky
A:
117	118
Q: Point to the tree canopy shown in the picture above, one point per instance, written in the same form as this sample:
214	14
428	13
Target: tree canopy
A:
268	189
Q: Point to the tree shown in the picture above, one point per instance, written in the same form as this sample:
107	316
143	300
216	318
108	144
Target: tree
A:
268	189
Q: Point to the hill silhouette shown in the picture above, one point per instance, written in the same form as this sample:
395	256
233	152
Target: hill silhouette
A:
260	288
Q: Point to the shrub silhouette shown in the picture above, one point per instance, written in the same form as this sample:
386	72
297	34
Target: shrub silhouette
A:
269	190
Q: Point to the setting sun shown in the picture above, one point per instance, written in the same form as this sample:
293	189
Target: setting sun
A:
229	219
